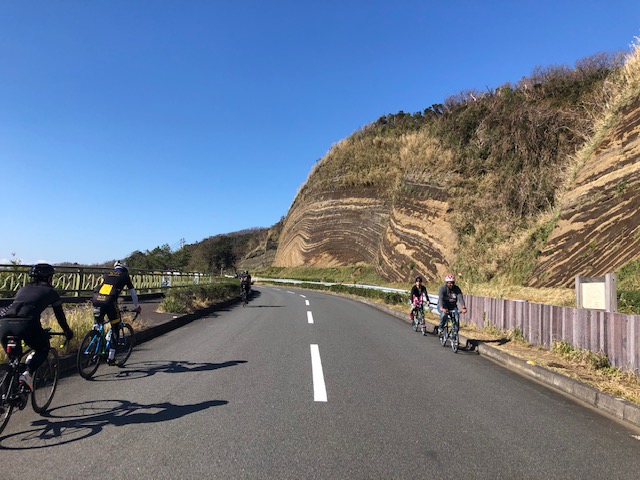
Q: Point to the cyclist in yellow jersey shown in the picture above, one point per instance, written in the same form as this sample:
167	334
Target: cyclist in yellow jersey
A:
105	298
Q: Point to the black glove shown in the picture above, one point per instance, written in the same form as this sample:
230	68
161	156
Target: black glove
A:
69	335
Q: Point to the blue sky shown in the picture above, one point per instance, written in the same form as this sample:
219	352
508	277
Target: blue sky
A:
127	125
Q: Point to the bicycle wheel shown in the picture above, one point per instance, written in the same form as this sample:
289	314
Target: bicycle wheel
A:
422	323
454	342
444	333
89	354
454	335
124	345
6	408
45	381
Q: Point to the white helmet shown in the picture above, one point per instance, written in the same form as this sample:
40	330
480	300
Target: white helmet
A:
120	264
449	278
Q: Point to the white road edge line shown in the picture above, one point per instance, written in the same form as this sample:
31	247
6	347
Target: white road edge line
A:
309	317
319	389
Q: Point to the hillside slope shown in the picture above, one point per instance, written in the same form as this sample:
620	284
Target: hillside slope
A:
599	227
480	185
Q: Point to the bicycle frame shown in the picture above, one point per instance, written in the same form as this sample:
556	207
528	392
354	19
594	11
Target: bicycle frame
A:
101	349
418	315
104	343
96	345
244	294
16	394
450	334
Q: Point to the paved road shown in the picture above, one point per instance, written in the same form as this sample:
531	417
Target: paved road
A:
345	391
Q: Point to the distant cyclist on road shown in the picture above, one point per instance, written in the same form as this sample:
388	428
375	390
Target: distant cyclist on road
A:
449	297
419	297
22	317
245	282
105	299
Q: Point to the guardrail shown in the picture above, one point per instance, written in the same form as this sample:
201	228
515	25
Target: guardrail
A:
433	299
81	281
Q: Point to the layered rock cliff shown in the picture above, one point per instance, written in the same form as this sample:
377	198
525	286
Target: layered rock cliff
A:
599	226
395	219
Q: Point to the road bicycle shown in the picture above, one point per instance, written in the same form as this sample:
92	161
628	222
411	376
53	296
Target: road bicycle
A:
96	344
418	318
417	313
445	333
13	392
244	295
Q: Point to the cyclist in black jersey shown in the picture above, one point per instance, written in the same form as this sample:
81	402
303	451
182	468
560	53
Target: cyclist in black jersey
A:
245	282
22	317
105	299
419	296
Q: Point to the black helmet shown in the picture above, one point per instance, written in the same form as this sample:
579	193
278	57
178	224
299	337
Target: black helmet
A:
42	272
418	278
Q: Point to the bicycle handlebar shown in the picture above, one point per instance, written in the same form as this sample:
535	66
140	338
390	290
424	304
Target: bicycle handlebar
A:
125	309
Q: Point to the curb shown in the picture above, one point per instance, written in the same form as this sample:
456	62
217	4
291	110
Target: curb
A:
617	407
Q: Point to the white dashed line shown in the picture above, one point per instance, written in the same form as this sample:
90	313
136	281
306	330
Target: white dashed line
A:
292	293
303	296
319	389
306	302
309	317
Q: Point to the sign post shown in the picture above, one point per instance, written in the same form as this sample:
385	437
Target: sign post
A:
598	293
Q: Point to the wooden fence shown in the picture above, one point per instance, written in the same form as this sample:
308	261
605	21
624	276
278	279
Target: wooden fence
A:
615	334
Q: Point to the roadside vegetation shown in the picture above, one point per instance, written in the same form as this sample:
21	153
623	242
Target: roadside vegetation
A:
189	299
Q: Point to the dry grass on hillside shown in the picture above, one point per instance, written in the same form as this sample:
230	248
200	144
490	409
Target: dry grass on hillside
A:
621	91
563	297
381	161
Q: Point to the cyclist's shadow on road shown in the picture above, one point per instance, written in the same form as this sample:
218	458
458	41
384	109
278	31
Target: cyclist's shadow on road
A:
133	371
74	422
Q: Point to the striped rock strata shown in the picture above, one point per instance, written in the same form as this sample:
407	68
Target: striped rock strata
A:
402	235
599	226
